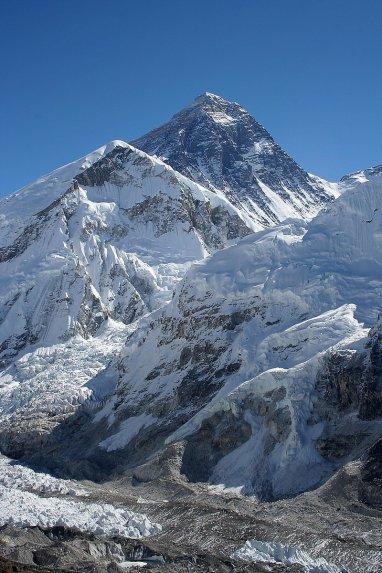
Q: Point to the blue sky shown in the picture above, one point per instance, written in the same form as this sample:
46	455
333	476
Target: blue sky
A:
78	73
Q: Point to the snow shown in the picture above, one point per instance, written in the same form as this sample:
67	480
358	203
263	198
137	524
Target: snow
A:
332	188
21	506
222	118
38	381
89	255
354	179
14	475
271	356
33	198
205	98
128	564
118	248
337	261
294	464
281	208
128	430
284	554
25	509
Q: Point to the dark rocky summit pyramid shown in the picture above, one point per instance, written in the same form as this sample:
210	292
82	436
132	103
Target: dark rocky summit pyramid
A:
220	145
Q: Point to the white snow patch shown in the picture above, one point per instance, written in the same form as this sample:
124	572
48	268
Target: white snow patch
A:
221	489
222	118
285	554
18	476
25	509
128	564
129	429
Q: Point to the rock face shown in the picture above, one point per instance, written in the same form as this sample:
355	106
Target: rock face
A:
371	472
219	144
371	469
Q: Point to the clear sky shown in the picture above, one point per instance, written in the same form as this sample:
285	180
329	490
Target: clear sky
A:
78	73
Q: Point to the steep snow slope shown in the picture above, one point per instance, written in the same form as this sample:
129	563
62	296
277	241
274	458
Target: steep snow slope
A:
105	237
241	361
218	144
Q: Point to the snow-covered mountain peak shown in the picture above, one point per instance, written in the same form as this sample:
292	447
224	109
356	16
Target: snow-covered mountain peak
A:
107	236
209	103
362	176
35	197
220	145
216	110
207	99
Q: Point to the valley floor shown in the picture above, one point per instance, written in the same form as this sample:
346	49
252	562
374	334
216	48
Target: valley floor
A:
202	527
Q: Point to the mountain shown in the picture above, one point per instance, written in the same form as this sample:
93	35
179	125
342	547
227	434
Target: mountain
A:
106	237
252	371
92	253
221	146
177	339
109	235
